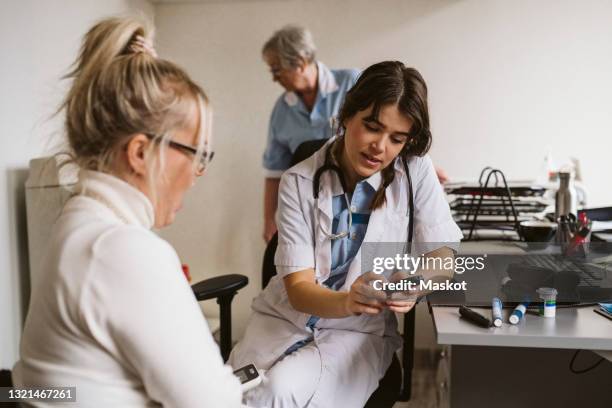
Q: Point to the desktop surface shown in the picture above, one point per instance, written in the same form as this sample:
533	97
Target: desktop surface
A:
572	328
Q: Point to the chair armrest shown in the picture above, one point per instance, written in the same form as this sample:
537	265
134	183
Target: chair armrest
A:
6	380
219	286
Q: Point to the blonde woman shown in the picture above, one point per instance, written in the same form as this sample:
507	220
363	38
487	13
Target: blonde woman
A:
114	316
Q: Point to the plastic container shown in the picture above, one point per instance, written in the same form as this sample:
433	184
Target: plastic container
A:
548	308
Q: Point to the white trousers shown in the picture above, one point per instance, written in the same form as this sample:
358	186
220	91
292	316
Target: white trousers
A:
339	368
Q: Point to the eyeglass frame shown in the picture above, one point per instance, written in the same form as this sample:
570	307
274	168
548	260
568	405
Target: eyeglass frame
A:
205	159
277	70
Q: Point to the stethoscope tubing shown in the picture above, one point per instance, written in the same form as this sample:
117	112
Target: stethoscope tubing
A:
335	169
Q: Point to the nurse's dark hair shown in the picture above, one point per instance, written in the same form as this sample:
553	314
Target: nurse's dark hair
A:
391	83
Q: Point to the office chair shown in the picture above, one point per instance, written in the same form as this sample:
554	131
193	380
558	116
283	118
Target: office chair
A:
396	384
223	288
6	381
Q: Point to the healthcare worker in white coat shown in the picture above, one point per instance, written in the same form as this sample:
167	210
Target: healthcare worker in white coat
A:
316	330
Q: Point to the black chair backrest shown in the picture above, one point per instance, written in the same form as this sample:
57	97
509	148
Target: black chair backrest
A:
306	149
268	269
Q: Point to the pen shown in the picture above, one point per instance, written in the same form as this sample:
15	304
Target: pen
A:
496	312
518	313
474	317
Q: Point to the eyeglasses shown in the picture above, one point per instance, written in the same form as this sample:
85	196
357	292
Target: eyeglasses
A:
277	70
205	159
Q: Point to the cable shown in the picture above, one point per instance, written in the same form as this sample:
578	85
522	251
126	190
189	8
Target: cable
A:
584	370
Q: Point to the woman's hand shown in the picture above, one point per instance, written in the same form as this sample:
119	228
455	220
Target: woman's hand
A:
400	306
363	298
404	300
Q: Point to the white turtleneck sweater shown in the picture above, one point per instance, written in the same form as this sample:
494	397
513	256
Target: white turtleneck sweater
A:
113	313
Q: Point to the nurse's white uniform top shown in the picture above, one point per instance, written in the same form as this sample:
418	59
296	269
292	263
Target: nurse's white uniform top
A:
114	315
345	359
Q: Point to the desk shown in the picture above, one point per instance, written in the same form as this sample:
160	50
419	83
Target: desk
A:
573	328
526	364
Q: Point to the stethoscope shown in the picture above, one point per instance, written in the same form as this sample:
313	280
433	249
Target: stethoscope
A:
329	166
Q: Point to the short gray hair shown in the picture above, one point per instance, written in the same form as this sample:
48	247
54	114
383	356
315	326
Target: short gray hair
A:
292	44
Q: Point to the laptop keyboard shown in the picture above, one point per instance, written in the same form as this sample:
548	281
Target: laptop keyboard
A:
590	276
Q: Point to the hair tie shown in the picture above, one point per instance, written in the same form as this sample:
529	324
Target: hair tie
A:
141	45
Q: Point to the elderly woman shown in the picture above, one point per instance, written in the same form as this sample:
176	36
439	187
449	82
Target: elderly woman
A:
113	315
313	95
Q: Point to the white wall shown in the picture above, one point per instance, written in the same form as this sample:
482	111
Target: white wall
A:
506	80
38	41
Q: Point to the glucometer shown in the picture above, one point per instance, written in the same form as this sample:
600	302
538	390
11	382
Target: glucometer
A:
405	286
248	376
408	288
400	287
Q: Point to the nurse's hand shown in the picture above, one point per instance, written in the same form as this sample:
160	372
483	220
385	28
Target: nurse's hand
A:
400	306
402	301
363	298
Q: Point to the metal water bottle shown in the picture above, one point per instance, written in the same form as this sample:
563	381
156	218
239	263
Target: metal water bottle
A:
565	198
564	235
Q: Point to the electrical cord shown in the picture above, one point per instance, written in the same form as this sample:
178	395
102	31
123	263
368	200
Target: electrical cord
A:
584	370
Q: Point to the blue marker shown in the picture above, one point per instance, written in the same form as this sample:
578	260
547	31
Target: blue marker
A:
496	312
518	313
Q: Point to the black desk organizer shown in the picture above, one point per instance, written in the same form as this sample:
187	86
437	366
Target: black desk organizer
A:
493	200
